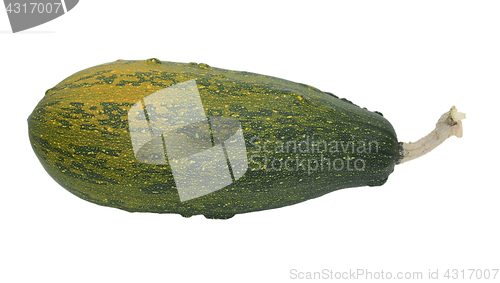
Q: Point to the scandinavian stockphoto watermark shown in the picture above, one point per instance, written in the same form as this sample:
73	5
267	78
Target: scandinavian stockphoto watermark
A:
27	14
309	155
206	154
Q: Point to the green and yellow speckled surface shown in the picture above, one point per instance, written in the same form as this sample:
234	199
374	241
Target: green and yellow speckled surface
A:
79	131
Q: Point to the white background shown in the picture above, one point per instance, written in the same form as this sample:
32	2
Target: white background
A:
410	60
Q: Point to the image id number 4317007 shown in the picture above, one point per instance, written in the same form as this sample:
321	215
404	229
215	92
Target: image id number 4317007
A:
34	8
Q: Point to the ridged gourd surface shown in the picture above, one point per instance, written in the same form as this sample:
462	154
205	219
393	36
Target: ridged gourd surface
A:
80	133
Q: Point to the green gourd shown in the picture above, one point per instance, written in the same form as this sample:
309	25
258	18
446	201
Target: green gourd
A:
164	137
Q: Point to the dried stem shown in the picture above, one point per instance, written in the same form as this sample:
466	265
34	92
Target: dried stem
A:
449	124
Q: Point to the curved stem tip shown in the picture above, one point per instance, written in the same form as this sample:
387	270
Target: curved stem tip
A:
450	124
